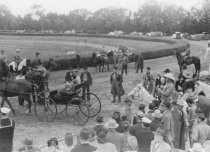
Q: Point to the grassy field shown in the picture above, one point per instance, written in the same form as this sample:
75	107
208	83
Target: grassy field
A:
55	46
41	131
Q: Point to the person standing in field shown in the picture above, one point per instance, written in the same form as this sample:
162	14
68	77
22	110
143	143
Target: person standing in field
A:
86	78
3	56
139	62
149	81
116	85
17	58
78	60
37	60
125	62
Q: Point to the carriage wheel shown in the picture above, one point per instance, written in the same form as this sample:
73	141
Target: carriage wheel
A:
94	104
45	109
78	114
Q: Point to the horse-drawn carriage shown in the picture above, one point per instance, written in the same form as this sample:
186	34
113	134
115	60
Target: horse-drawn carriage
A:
48	104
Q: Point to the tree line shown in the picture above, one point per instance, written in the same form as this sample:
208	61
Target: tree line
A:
151	16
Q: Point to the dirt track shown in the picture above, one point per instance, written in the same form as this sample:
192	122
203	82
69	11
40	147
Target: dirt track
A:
41	131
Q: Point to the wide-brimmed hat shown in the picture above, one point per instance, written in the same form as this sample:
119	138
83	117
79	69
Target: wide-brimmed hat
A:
111	124
146	120
167	71
187	74
27	141
197	147
157	114
170	76
5	110
132	142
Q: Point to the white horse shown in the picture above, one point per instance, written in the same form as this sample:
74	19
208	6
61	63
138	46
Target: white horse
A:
202	86
143	95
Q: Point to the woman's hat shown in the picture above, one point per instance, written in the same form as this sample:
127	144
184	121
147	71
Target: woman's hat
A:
132	142
5	110
170	76
27	141
146	120
111	124
140	114
187	74
157	114
197	147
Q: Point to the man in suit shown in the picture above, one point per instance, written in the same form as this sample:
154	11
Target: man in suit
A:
139	62
125	64
116	85
87	80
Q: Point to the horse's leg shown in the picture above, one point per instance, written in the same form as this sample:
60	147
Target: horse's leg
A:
2	102
27	98
8	102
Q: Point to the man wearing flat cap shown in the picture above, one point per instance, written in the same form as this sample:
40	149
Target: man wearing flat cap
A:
116	85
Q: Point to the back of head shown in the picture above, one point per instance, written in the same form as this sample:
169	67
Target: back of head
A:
69	139
84	134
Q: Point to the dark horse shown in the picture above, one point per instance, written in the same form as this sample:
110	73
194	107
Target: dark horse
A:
102	60
191	60
10	88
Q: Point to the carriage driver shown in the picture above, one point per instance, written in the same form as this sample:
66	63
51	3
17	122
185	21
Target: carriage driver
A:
17	58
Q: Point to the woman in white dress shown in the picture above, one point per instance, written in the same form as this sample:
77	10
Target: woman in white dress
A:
207	55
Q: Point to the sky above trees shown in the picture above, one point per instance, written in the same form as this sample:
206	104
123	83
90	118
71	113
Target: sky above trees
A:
22	7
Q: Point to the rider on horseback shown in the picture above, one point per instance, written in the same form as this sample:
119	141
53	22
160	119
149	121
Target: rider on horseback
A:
3	56
187	53
17	59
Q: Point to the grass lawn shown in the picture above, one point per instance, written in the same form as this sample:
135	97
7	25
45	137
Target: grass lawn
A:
55	46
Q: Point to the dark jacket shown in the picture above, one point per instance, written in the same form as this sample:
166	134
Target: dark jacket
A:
6	135
155	124
68	77
89	78
117	88
140	61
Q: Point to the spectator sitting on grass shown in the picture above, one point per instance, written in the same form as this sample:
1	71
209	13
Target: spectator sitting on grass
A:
117	117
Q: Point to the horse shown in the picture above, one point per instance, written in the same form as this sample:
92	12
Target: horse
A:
191	60
4	68
142	94
101	60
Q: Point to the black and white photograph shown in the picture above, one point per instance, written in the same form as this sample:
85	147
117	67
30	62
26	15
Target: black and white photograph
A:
104	75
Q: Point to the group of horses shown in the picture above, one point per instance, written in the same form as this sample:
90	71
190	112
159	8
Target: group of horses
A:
23	87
